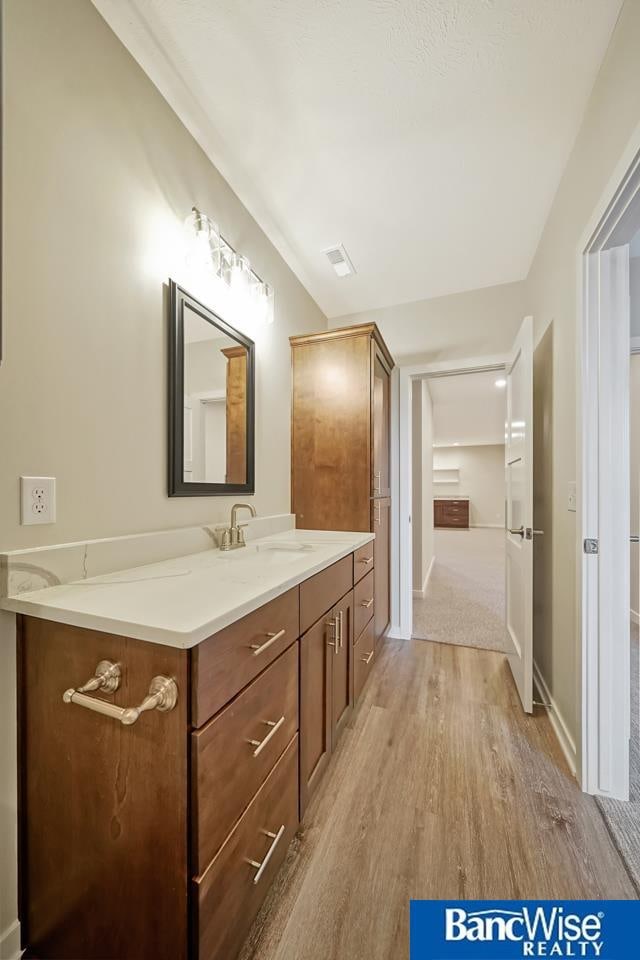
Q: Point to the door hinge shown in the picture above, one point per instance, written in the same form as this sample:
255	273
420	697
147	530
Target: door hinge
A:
591	545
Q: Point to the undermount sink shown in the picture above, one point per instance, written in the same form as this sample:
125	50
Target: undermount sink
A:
285	547
268	554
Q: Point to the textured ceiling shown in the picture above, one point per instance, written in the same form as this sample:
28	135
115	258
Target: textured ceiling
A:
468	409
428	136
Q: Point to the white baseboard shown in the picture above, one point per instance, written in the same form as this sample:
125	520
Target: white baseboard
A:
422	593
635	617
558	723
394	633
10	942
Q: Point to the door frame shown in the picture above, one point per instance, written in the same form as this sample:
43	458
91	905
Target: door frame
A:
402	609
604	676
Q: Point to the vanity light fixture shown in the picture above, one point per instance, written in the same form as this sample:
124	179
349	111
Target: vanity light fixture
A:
209	253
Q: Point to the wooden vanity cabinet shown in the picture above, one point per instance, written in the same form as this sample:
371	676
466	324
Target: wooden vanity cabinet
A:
161	839
341	682
381	523
326	674
340	440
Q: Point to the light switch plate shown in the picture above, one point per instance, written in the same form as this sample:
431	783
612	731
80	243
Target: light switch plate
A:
572	497
37	500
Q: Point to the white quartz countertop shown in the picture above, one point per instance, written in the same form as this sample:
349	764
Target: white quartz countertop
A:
182	601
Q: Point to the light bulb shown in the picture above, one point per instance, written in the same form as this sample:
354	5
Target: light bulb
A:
202	242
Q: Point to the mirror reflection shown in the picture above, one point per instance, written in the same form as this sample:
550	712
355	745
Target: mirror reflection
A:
215	403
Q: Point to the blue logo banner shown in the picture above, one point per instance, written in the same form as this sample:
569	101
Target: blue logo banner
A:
510	929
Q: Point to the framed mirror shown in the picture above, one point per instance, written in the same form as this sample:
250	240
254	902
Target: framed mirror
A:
211	402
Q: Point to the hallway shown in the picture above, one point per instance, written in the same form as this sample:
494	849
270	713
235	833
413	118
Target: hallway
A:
441	788
464	601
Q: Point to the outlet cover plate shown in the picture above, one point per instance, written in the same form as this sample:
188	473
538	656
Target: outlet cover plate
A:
37	500
572	497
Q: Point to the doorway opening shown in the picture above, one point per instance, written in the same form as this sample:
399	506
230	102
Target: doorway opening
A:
609	468
458	487
622	816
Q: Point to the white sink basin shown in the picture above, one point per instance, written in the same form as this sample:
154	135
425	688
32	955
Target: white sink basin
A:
274	553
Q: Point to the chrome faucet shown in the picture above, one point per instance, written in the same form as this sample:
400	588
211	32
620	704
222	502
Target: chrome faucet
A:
233	537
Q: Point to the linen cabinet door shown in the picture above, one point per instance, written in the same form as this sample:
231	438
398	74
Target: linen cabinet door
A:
316	663
341	666
382	565
381	414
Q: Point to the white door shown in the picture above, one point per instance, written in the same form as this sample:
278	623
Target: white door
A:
519	511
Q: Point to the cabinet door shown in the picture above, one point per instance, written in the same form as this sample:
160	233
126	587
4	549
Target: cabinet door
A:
331	433
341	661
316	664
381	408
382	564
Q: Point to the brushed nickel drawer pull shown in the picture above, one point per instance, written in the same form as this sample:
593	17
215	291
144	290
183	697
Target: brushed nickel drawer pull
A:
163	696
341	628
367	659
334	642
367	603
261	744
365	559
261	867
261	647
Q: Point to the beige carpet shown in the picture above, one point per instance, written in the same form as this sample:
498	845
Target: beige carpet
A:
464	602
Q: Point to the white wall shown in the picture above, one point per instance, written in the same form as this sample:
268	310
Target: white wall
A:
634	425
481	479
422	484
99	175
610	120
477	323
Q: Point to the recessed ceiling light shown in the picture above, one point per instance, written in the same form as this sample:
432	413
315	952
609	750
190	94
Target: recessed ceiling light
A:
501	383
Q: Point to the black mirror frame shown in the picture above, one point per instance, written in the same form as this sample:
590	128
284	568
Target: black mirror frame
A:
178	297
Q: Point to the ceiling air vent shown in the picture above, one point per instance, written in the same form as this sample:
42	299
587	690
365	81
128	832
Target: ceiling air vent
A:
339	260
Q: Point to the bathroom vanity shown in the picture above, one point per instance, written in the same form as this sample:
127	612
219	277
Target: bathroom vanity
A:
175	720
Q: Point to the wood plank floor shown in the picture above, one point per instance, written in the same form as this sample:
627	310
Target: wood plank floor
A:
440	788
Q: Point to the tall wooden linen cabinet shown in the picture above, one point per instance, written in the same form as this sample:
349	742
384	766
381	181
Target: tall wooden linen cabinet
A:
340	436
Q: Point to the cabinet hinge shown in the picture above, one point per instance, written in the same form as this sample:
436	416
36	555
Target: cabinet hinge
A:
591	545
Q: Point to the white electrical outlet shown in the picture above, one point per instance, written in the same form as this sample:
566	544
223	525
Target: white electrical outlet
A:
37	500
572	497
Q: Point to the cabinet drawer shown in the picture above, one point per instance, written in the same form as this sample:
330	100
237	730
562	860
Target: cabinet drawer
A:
362	561
363	603
363	657
230	659
229	893
227	768
321	592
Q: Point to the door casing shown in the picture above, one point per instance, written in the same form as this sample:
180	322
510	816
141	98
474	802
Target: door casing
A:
603	608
